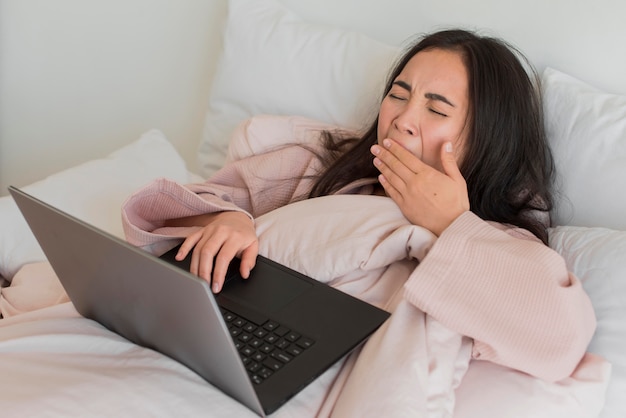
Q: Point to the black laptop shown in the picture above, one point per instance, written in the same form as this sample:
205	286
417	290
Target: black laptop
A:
260	340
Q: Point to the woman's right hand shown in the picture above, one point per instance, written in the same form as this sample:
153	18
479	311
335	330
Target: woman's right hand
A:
224	236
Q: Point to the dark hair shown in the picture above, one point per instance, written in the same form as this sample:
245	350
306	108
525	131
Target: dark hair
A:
506	163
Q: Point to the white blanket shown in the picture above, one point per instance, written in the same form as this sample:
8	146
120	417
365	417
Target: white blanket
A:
411	366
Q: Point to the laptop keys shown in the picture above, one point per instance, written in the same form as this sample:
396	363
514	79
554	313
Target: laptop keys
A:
264	348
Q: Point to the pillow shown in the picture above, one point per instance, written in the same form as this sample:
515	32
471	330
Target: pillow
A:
596	256
508	393
93	191
587	132
348	70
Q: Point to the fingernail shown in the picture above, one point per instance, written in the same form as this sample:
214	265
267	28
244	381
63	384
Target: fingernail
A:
375	149
216	287
386	143
448	146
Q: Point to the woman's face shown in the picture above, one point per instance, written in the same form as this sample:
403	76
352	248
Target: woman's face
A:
427	105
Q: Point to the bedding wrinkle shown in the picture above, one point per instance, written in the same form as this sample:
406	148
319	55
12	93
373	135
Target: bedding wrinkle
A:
61	364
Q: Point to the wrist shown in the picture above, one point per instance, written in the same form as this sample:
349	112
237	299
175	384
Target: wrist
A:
195	220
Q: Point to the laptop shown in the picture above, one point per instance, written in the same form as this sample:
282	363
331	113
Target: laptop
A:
260	340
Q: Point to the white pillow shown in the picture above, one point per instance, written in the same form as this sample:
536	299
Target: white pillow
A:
587	132
93	191
596	256
276	63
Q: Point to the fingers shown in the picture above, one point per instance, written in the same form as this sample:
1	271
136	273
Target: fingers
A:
213	248
211	264
392	173
427	196
188	245
248	259
398	168
449	163
401	157
395	162
213	268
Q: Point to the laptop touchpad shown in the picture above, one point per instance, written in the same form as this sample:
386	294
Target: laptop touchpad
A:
268	288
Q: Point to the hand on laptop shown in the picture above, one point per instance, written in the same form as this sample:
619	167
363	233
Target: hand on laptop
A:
224	235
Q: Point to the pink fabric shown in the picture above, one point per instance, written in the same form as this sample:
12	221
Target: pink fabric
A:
411	365
514	297
34	287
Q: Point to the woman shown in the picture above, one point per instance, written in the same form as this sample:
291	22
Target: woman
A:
459	146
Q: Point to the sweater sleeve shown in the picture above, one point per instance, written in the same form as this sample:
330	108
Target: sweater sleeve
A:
513	296
253	185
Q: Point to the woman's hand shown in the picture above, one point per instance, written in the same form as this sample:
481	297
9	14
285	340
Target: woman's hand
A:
426	196
224	236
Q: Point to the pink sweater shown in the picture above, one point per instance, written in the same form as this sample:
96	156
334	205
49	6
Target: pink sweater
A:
498	285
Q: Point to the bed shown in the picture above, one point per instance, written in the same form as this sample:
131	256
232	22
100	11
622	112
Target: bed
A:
275	63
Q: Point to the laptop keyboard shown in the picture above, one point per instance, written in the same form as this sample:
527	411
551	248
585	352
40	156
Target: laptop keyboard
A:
264	348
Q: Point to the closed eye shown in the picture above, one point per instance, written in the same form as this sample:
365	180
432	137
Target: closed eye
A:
402	87
396	97
438	113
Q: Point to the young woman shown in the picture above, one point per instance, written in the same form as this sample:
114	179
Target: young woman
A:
458	145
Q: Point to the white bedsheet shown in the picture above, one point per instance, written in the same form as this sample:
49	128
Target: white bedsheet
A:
58	364
55	363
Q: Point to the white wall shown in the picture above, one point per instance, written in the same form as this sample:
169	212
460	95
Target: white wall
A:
80	78
585	38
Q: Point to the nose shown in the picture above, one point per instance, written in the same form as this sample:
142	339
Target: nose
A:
406	122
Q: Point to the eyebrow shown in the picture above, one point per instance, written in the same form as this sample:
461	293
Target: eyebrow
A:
431	96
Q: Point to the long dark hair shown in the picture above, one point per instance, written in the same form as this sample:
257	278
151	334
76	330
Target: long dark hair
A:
507	163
